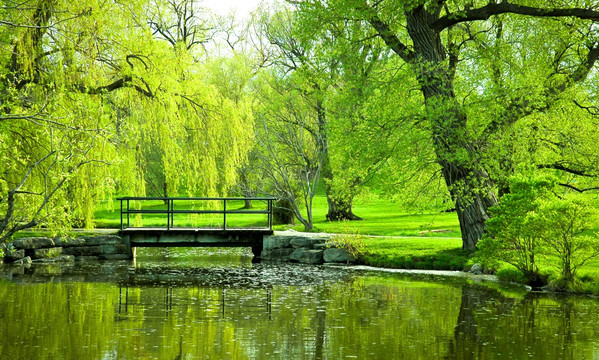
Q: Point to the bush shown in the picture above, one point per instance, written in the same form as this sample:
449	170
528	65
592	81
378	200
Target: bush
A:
531	221
565	222
511	274
514	231
351	241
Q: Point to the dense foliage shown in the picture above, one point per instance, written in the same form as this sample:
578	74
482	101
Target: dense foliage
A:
425	101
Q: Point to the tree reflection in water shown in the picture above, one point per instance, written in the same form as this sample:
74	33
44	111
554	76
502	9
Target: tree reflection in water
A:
282	311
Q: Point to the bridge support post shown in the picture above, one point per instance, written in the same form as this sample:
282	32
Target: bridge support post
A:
127	242
257	251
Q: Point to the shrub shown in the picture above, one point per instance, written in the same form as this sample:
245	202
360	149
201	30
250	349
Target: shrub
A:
351	241
514	231
565	221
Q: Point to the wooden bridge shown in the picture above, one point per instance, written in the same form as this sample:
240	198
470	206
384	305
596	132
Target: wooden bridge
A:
194	222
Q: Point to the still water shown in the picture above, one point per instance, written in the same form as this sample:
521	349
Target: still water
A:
216	304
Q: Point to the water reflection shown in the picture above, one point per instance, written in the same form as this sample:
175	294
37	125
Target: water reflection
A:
233	309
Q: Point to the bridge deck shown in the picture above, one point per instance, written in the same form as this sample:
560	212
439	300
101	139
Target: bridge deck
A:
194	237
208	230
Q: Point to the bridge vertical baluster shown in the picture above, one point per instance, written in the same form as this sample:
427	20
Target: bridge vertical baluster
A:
224	214
270	214
172	213
128	224
121	214
168	214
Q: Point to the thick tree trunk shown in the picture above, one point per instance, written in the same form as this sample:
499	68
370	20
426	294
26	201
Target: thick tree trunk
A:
340	209
472	219
247	204
457	154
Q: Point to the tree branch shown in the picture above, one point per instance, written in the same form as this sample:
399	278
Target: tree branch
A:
562	167
593	110
505	7
16	189
120	83
577	189
389	37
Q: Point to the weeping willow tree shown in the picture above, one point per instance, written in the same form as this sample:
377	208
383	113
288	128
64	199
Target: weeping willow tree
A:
90	99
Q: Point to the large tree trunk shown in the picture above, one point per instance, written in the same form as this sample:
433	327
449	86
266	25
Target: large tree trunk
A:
472	219
340	209
456	152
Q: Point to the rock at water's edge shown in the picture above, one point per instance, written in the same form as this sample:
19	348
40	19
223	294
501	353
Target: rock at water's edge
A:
46	253
335	255
33	243
307	256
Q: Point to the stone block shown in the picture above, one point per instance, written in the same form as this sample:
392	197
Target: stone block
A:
276	242
307	256
102	240
33	243
18	270
47	270
84	251
476	269
14	255
57	259
306	242
114	249
277	254
24	261
69	242
334	255
46	253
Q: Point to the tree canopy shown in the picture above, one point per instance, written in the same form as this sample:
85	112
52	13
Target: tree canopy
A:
445	98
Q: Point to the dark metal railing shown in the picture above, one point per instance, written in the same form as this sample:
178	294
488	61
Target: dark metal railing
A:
170	210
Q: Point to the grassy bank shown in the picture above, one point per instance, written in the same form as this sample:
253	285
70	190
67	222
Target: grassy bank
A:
415	253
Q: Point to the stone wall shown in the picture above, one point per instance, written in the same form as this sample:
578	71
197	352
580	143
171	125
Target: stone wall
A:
307	248
48	250
284	246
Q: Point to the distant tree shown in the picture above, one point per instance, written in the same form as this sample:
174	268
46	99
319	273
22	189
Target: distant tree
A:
289	146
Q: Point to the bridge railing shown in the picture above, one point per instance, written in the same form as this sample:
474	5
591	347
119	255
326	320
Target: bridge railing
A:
173	207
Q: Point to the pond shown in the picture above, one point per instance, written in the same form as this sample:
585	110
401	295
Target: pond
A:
216	304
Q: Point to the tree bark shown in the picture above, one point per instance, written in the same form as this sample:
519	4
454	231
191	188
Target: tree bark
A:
247	204
469	185
340	209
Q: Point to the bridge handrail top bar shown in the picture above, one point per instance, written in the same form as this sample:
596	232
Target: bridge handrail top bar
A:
194	198
166	211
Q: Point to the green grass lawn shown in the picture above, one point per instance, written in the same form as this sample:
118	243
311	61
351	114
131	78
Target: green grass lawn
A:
381	217
384	217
